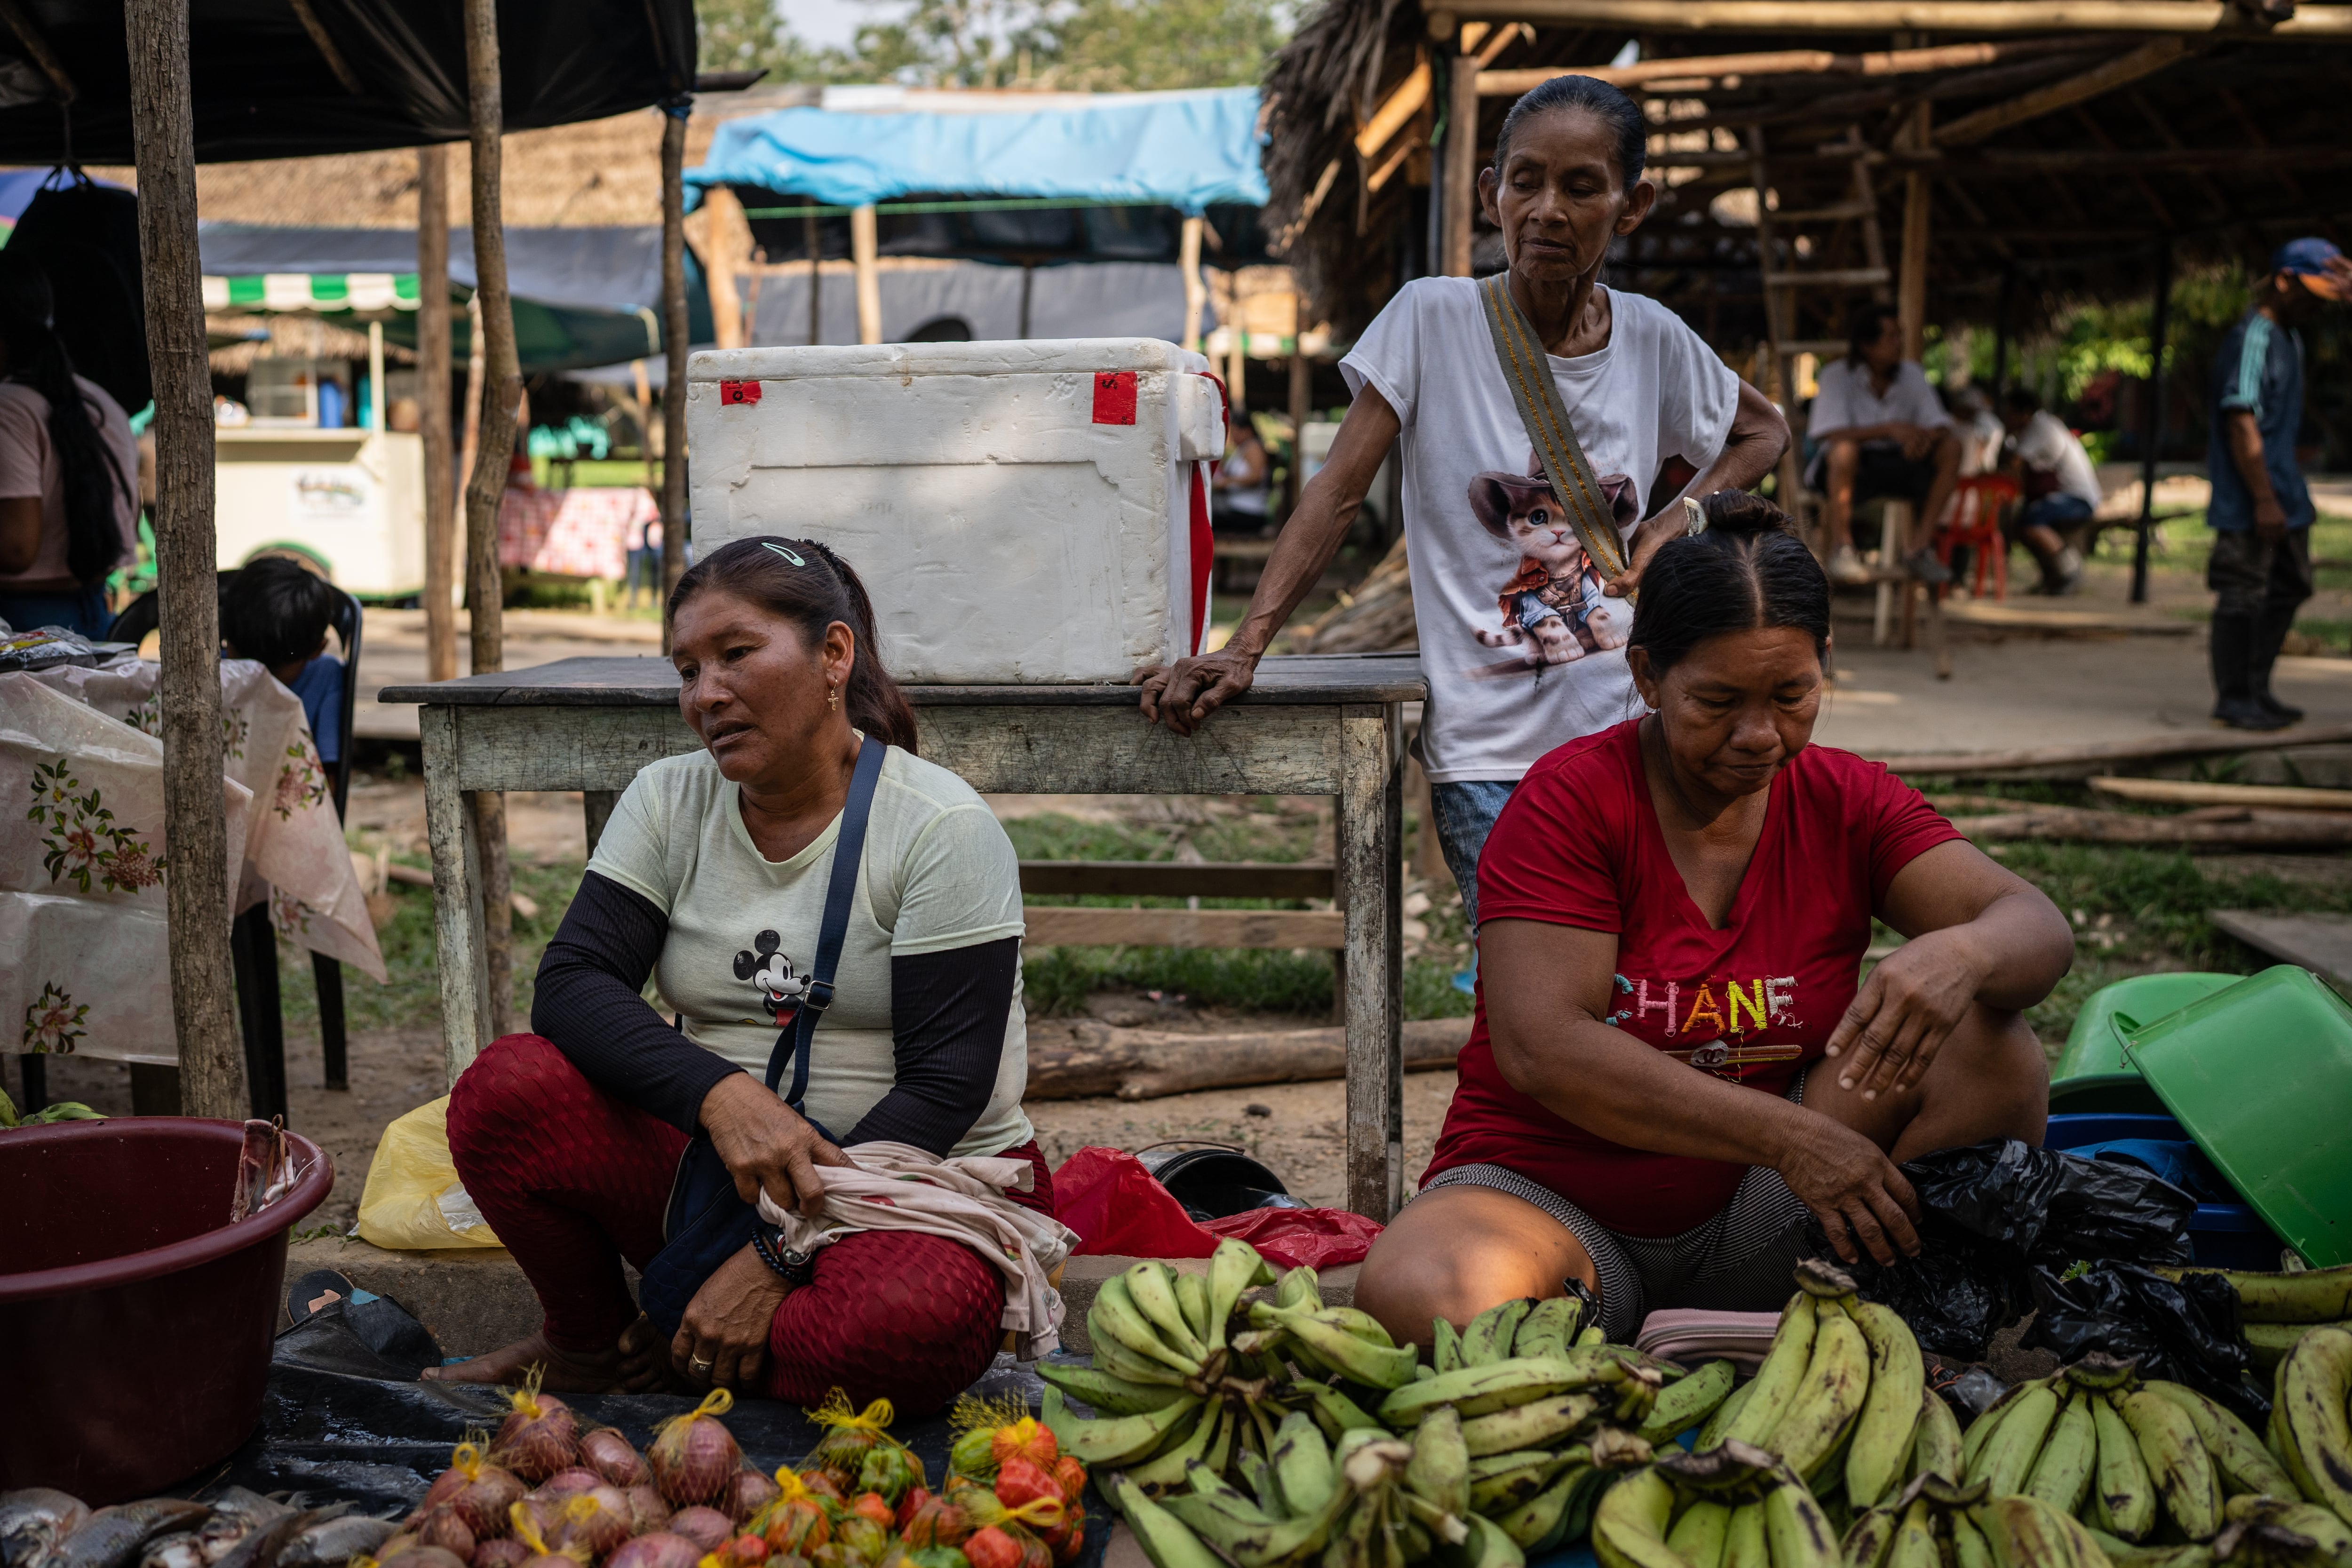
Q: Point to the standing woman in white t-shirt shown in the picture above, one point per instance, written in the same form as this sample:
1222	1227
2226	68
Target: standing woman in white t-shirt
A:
710	879
68	469
1522	642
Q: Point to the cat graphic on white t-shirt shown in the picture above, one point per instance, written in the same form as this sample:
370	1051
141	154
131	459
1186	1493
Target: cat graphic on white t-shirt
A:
1552	609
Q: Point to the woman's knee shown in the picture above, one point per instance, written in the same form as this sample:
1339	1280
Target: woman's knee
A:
889	1314
1990	1079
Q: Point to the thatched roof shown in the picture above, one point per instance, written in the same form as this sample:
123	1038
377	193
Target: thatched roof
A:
2226	141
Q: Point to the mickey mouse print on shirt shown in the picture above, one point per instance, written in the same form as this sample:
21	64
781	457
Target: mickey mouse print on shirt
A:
780	989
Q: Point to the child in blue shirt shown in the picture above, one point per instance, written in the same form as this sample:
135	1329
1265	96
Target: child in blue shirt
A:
277	613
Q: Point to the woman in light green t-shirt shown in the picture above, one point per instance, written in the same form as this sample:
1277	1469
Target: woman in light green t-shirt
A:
710	879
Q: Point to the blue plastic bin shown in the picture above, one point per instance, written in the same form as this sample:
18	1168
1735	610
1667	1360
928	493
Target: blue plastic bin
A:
2221	1235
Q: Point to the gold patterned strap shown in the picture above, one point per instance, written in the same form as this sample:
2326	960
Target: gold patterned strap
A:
1527	369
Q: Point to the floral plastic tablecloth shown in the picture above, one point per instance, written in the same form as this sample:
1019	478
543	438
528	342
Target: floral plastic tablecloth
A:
580	533
83	856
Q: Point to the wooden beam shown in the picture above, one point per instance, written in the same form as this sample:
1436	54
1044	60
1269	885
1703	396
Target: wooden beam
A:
36	43
1177	880
1888	63
2186	792
1196	293
195	824
325	44
1911	287
1460	186
433	351
1401	105
498	395
674	345
1090	927
2149	59
862	247
1827	277
731	257
2309	24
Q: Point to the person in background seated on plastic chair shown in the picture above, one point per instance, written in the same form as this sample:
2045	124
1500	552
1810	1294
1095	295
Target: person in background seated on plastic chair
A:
1880	430
277	612
2062	488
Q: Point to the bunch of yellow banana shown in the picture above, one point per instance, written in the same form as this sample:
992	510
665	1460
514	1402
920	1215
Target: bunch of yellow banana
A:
1844	1381
2311	1417
2135	1461
1735	1506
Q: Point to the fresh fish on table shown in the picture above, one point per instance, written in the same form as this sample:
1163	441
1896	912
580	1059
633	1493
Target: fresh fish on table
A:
115	1536
180	1549
33	1521
236	1513
331	1542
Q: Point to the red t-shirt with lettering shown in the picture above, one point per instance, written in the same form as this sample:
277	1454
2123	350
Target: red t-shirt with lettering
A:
1579	844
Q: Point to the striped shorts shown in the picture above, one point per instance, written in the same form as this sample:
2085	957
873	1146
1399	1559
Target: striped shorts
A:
1739	1261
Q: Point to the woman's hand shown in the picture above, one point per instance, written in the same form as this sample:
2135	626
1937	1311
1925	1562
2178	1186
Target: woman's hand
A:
722	1341
1904	1013
765	1146
1853	1188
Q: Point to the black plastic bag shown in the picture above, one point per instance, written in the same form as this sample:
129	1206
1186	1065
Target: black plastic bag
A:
2183	1331
1991	1212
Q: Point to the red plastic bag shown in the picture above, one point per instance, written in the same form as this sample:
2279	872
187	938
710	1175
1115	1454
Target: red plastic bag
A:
1119	1209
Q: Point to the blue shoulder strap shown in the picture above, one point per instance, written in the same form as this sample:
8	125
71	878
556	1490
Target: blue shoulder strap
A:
841	890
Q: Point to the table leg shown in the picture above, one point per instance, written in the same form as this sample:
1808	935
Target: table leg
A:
457	924
596	809
1369	822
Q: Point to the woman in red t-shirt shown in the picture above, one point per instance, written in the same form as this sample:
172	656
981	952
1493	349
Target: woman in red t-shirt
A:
1672	915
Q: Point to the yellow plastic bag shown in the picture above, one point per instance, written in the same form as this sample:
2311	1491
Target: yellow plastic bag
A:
413	1201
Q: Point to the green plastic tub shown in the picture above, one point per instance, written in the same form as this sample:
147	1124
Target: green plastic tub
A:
2260	1076
2092	1075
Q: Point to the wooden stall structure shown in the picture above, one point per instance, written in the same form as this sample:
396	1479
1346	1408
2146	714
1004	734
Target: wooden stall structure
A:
1976	163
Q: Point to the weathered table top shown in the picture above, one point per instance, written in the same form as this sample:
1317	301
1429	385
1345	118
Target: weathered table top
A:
1296	679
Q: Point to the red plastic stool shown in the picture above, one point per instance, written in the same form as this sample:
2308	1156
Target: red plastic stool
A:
1973	518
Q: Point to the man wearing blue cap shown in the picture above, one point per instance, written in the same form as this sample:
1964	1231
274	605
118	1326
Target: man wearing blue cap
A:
2261	511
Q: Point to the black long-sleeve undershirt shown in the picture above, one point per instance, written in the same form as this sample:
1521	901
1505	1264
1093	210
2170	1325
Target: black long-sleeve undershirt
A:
948	1013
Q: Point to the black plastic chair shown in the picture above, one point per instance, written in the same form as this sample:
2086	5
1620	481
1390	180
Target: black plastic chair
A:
253	945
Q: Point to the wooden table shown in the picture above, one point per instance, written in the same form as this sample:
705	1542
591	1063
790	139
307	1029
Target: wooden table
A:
1328	725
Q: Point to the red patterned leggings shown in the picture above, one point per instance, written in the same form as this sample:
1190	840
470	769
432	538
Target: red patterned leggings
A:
574	1181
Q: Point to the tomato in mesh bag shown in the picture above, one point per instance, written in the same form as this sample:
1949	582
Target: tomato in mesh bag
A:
1025	1439
889	1470
850	1434
1070	1476
876	1507
992	1548
936	1557
863	1537
798	1525
934	1522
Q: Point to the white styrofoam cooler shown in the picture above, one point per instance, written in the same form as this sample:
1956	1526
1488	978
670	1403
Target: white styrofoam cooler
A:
1020	512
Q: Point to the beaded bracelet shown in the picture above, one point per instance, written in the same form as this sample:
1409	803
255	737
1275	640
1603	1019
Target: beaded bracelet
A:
793	1267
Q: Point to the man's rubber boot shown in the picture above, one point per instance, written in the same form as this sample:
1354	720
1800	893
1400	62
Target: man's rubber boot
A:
2233	647
2271	627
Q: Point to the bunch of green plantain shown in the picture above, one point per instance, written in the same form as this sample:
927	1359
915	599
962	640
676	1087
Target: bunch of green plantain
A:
2311	1419
2136	1461
1841	1395
2261	1532
1734	1506
2274	1310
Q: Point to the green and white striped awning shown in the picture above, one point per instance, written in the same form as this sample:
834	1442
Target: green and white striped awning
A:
312	291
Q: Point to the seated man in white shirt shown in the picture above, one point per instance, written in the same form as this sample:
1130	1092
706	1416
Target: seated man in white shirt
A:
1880	431
2062	488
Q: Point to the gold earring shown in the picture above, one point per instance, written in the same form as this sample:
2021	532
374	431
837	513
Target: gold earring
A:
832	697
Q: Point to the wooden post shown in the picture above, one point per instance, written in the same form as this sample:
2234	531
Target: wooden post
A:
2152	426
196	828
375	376
1911	293
1302	392
497	392
674	331
816	280
731	254
1459	189
432	413
1367	816
861	243
1196	293
2000	334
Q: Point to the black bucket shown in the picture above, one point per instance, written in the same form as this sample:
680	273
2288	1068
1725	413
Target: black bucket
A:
1214	1180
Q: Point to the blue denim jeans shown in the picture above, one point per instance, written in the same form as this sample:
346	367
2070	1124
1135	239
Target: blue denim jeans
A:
1466	814
84	612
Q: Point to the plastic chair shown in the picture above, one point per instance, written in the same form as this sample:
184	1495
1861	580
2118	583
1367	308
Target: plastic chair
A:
1975	523
260	1016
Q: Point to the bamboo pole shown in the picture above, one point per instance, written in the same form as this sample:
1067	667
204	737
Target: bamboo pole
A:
2218	16
1459	190
1196	293
674	331
498	391
730	256
1911	287
195	827
432	413
2149	59
1786	62
862	245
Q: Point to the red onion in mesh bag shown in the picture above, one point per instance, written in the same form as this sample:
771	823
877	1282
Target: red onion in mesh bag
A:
567	1483
647	1512
597	1519
706	1527
443	1526
506	1552
479	1491
613	1457
540	1438
659	1550
422	1556
752	1490
694	1458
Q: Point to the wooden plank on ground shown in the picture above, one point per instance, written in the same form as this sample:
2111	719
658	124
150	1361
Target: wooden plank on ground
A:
1175	879
2186	792
2101	757
1144	1064
1081	927
2240	827
2320	942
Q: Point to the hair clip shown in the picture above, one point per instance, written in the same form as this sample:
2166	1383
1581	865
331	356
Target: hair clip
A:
1694	517
780	550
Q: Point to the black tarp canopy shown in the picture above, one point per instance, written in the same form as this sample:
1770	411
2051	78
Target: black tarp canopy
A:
378	73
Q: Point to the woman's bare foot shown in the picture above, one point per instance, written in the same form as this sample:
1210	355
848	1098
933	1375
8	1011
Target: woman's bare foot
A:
644	1357
564	1371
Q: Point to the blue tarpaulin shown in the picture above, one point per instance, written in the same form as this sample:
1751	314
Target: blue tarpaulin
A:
1184	150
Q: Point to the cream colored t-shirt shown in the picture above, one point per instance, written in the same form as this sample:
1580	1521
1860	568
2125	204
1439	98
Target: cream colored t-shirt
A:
938	873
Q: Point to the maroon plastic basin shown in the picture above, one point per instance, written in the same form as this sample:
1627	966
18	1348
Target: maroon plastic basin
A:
135	1321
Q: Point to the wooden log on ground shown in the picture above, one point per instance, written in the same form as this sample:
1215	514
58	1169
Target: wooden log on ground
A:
195	825
1146	1064
2240	828
2185	791
2101	757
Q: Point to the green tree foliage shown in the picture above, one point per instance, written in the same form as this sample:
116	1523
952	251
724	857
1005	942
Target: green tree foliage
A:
752	35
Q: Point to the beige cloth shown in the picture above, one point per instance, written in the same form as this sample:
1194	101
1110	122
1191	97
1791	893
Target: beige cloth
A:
83	927
896	1186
